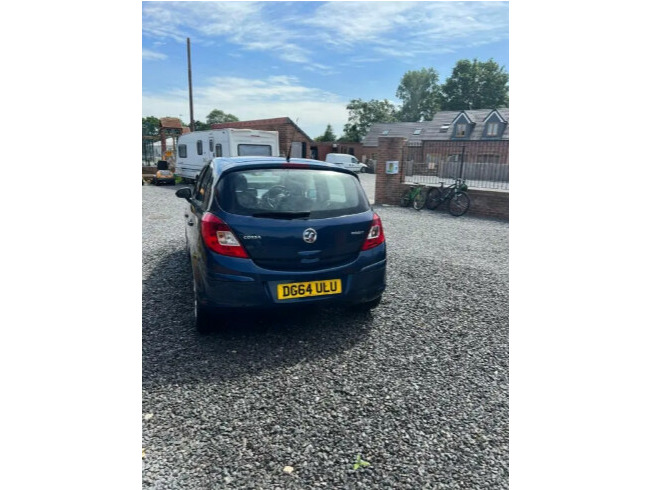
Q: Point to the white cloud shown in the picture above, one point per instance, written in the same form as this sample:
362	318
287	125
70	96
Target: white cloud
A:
394	29
279	96
152	55
246	24
389	27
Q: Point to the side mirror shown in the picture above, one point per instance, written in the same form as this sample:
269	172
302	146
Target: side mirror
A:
184	193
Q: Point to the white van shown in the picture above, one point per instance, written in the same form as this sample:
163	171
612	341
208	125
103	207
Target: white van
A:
197	149
347	161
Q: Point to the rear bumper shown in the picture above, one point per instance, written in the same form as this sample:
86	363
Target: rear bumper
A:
221	286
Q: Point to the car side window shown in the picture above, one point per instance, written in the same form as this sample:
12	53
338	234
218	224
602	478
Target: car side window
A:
203	185
199	179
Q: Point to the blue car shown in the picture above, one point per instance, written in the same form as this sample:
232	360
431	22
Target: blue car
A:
267	232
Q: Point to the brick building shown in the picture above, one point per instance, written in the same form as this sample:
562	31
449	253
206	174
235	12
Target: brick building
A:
290	135
480	136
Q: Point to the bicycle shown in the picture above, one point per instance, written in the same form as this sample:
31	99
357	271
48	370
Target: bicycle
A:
415	195
454	194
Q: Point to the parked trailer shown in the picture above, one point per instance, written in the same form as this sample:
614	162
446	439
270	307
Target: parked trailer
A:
197	149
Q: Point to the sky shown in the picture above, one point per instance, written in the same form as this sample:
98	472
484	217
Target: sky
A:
305	60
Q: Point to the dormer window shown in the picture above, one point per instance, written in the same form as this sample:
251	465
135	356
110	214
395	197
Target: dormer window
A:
494	125
461	130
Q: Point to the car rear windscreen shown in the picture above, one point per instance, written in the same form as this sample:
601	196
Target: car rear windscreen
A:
291	191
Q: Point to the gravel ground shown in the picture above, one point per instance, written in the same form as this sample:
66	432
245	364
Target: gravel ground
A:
418	387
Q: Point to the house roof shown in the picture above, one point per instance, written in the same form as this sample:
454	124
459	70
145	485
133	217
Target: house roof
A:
258	123
431	130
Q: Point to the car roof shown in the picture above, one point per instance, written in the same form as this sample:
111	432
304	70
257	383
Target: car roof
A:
227	164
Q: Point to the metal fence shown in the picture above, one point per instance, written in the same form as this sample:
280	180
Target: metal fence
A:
483	164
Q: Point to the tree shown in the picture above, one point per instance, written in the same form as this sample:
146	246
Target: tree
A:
328	135
362	114
150	126
475	85
217	116
420	95
201	126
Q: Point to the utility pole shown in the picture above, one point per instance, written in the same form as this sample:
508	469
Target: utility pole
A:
189	77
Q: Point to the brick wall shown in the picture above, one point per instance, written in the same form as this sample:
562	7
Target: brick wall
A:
473	149
483	203
389	188
489	204
324	148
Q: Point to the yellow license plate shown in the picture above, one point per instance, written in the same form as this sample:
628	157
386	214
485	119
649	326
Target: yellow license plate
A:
311	288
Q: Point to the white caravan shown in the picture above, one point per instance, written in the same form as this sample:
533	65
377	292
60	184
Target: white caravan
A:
198	148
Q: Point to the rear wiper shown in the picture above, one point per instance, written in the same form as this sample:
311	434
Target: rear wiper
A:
282	215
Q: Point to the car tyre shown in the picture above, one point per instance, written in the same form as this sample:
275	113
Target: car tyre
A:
202	316
202	319
368	305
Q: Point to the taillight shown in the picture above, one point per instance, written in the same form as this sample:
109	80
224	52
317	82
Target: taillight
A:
375	235
219	238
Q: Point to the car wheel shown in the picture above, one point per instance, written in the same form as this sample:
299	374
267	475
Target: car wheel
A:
367	306
202	317
362	170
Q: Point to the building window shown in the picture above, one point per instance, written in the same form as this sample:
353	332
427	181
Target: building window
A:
199	147
432	160
492	129
461	130
417	131
385	132
182	151
488	158
454	157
